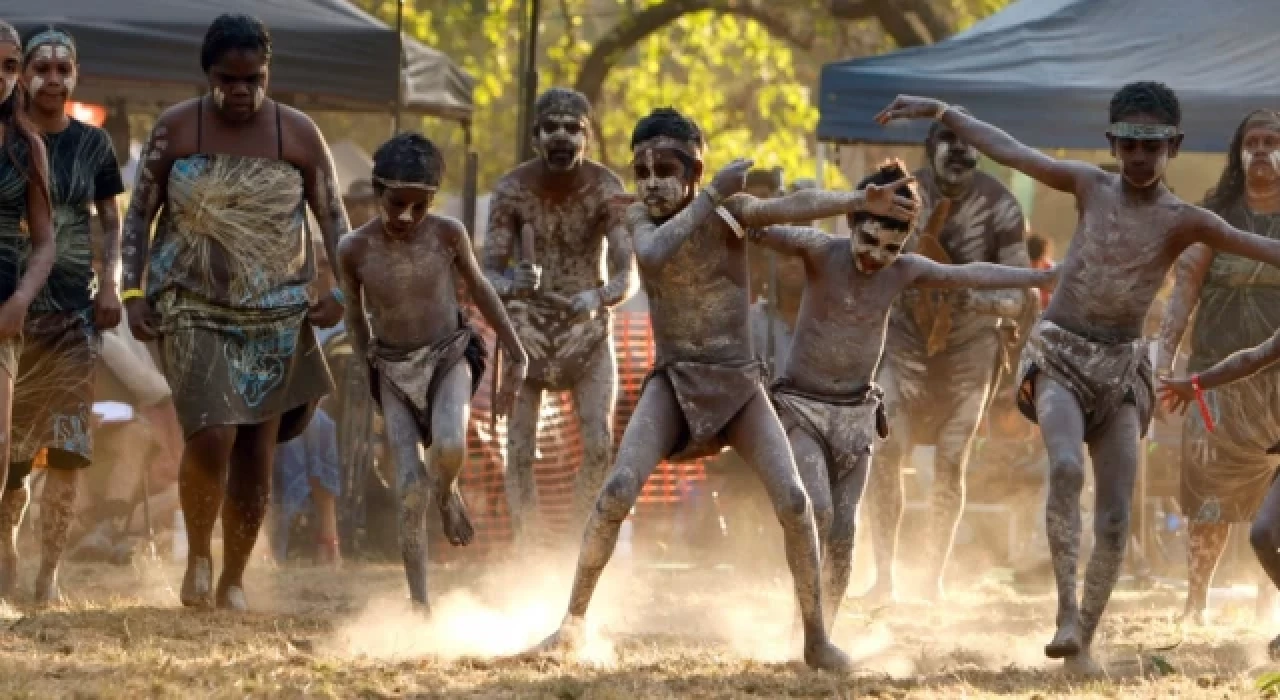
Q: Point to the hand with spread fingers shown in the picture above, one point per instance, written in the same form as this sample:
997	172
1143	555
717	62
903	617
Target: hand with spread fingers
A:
1176	394
908	107
732	178
881	201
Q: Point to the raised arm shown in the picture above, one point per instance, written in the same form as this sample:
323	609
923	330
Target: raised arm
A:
654	244
491	308
979	275
810	205
1062	175
1209	228
1190	271
798	241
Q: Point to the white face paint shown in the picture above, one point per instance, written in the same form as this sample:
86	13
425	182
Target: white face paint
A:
659	183
37	83
219	97
259	94
876	246
562	141
7	83
954	163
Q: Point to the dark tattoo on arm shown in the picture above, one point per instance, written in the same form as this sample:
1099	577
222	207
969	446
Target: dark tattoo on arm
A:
148	195
109	215
1190	272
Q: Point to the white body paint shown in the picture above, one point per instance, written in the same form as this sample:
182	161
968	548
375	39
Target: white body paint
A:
886	248
662	196
219	97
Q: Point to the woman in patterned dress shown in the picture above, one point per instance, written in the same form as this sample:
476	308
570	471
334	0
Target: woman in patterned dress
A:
26	231
1226	472
53	392
231	174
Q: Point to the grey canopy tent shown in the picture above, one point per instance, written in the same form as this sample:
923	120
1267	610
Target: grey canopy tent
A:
329	55
1045	70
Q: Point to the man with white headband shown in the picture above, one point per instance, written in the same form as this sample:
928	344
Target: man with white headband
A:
1085	374
425	360
706	390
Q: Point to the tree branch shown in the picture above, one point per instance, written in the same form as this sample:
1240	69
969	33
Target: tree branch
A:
635	28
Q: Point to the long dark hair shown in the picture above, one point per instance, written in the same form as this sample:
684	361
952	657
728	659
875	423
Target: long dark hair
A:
1225	197
13	115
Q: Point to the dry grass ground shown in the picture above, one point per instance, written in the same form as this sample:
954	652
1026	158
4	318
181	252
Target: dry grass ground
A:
665	634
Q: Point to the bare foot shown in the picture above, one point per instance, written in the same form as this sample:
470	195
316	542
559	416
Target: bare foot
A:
47	592
880	593
197	583
8	569
566	641
1066	642
457	522
1193	618
826	656
233	599
1082	664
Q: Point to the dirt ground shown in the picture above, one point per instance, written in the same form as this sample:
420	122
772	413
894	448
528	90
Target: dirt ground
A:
662	633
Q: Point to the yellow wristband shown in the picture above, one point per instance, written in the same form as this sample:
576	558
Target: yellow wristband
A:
128	294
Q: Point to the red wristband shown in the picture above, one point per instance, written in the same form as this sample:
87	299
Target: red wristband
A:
1204	407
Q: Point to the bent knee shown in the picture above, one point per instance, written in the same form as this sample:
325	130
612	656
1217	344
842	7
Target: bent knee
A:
449	452
1112	525
794	506
1067	470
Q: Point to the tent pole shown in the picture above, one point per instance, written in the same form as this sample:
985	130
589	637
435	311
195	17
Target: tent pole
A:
395	115
529	81
470	187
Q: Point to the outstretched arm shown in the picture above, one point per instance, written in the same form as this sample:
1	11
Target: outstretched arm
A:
1209	228
1242	364
1190	271
979	275
1011	249
1062	175
798	241
810	205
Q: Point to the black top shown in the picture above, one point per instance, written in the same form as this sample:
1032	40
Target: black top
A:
83	169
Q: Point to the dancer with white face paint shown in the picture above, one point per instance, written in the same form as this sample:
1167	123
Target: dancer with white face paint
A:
1236	304
825	395
26	240
944	356
53	396
555	226
1085	374
705	391
231	265
425	360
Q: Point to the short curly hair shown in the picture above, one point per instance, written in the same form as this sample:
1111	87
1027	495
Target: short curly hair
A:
1147	97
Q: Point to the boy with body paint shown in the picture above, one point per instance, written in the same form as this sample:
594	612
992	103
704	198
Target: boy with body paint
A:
1085	374
825	394
705	391
425	360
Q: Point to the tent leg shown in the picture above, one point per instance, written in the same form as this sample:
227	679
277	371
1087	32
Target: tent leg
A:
470	185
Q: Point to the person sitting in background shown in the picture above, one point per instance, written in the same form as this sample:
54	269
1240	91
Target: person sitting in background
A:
307	467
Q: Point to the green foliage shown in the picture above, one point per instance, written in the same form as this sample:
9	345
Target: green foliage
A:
749	90
1269	684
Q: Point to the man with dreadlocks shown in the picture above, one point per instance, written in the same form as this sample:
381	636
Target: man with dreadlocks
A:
1085	374
705	391
1227	471
554	215
825	394
425	360
944	353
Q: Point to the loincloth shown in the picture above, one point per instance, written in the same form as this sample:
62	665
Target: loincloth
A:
10	348
415	375
53	389
845	426
559	345
1102	376
710	397
229	366
1227	473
